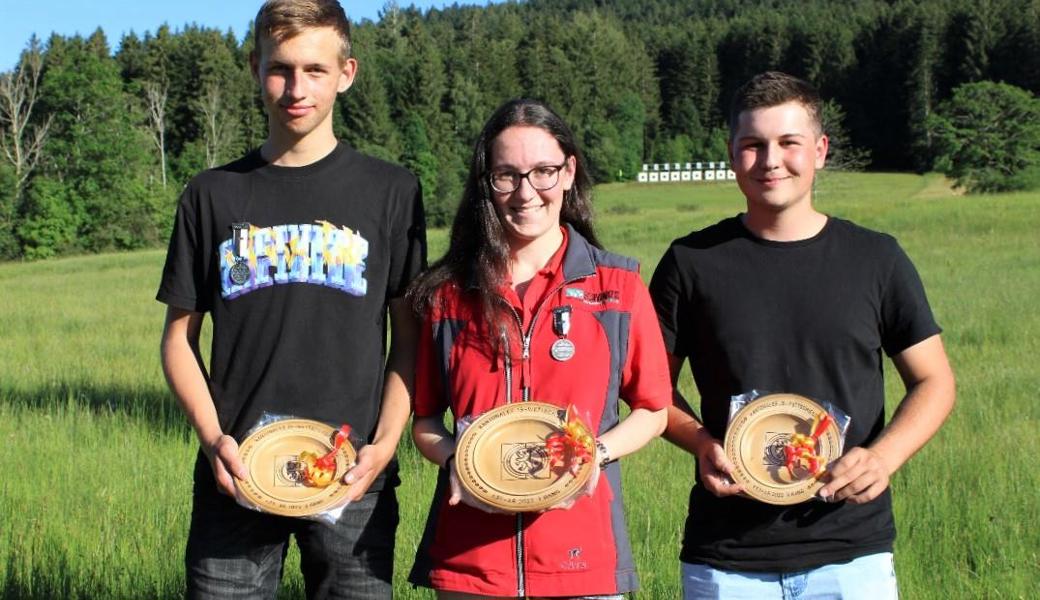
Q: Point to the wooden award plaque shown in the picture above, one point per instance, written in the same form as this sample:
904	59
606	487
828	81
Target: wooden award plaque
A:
755	441
275	483
502	461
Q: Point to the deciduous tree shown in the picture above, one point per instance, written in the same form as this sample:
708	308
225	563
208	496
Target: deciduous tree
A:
21	137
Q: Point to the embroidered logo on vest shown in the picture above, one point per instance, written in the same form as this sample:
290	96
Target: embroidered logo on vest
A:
574	561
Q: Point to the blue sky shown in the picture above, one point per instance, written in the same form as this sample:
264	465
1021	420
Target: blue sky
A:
21	19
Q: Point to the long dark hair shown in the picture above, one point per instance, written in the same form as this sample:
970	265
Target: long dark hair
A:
478	253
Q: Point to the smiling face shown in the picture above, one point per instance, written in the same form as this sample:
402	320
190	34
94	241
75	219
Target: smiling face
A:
775	152
529	215
300	77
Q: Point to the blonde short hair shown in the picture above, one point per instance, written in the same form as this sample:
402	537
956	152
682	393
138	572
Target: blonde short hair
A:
283	19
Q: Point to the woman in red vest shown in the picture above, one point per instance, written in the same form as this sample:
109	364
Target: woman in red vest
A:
526	305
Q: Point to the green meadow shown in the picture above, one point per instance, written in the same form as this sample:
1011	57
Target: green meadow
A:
96	460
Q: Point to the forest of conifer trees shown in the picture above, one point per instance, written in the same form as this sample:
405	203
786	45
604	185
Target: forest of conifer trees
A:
99	136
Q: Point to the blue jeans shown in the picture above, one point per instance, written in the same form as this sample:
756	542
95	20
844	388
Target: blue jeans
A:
870	577
236	553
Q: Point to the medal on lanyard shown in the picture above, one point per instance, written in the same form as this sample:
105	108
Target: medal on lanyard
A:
240	270
562	349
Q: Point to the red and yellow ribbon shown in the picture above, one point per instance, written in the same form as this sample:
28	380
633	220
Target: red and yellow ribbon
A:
801	450
573	446
321	471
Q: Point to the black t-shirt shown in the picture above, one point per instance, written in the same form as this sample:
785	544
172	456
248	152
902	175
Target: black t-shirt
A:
328	245
810	317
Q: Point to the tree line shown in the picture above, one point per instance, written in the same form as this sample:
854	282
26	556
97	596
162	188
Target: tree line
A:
96	145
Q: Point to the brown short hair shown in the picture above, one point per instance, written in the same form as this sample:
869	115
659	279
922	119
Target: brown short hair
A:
774	88
283	19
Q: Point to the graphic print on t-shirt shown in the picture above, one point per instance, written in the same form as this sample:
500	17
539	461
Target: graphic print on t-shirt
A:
320	254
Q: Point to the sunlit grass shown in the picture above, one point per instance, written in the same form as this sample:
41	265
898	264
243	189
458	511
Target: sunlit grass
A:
97	458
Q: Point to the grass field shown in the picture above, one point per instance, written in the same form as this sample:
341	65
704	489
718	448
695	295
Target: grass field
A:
96	459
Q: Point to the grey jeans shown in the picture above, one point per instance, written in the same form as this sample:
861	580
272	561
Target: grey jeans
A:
235	553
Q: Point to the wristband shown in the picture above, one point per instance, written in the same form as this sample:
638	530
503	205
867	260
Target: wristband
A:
604	454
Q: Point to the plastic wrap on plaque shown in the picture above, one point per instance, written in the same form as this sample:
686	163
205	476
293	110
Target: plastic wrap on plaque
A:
781	444
296	466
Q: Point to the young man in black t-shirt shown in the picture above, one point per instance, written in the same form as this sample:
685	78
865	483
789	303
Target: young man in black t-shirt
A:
297	251
783	298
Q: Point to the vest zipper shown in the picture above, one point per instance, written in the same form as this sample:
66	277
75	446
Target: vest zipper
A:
508	360
525	394
521	584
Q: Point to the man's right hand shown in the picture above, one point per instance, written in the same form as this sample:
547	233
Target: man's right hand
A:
225	462
689	433
182	365
715	468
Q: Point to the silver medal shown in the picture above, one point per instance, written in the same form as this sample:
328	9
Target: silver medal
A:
562	349
240	272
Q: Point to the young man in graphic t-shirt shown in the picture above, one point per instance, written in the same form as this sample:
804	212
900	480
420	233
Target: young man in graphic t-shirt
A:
297	251
783	298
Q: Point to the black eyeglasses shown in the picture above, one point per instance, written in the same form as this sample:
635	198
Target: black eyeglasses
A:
541	178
